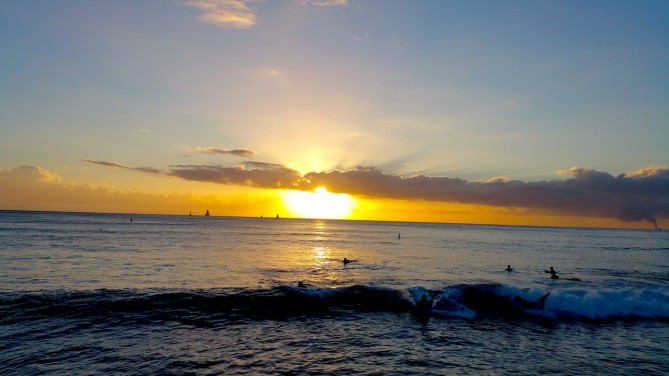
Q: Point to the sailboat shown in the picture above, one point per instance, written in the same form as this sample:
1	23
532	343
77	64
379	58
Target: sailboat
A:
207	213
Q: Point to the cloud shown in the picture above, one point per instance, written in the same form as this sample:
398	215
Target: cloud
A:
237	14
213	150
225	13
33	188
108	164
325	3
144	170
252	174
635	196
641	195
30	173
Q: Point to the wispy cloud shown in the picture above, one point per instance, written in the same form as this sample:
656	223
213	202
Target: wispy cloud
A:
635	196
213	150
237	14
144	170
325	3
225	13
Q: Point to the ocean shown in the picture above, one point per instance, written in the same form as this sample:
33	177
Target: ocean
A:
122	294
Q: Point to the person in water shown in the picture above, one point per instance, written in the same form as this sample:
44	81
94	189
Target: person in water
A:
553	273
508	268
539	304
424	304
346	261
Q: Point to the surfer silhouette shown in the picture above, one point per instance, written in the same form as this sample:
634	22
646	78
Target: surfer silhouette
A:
422	309
539	304
553	273
424	304
346	261
508	268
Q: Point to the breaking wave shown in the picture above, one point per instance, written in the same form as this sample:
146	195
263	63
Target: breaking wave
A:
461	301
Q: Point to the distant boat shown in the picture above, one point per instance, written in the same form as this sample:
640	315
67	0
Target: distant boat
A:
190	214
277	216
207	213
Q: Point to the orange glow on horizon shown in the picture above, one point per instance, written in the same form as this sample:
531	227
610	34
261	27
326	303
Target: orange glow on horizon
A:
32	188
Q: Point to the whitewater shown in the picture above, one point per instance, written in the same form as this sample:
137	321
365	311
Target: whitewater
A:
126	294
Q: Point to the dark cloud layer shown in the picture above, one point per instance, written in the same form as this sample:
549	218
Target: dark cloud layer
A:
642	195
629	197
259	175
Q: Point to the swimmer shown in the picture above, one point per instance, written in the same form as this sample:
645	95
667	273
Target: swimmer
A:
539	304
508	268
300	284
346	261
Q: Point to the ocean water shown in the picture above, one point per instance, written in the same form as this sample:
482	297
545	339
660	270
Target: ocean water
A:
121	294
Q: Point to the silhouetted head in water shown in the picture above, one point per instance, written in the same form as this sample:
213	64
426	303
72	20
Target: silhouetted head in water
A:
508	268
300	284
346	261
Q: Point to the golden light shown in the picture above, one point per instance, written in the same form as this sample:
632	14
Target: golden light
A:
318	204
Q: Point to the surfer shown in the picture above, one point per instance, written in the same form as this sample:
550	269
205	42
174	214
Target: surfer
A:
346	261
508	268
539	304
424	304
300	284
553	273
422	310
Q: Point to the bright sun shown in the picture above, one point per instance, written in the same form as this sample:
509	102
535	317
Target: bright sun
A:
319	204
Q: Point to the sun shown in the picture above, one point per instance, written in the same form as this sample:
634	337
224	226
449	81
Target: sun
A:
318	204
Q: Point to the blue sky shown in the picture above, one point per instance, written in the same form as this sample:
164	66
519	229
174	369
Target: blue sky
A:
466	89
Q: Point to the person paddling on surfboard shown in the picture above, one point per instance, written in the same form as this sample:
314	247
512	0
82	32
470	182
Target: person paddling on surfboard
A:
508	268
553	273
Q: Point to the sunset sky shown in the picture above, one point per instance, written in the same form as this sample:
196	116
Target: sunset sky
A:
511	112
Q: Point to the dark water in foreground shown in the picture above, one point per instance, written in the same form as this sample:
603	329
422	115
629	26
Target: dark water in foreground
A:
97	294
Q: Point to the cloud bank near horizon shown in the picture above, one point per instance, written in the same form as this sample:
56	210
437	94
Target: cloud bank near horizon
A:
629	197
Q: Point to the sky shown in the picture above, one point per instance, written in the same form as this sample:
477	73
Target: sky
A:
548	113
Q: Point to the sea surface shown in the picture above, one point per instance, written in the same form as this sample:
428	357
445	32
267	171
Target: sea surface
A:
121	294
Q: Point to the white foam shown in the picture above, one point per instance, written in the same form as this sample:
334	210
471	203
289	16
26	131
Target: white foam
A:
600	304
649	302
